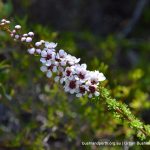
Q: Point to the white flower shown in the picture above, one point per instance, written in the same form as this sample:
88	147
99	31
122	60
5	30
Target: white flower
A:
42	41
43	53
97	93
38	44
23	39
92	89
82	90
47	57
68	73
63	63
71	86
49	70
30	34
17	36
54	69
90	95
61	54
96	77
25	35
12	35
57	78
38	51
28	39
2	24
62	80
43	60
17	27
48	62
3	20
50	54
7	22
14	31
72	60
31	50
43	68
50	45
49	74
81	72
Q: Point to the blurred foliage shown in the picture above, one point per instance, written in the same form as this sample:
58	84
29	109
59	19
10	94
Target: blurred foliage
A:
36	114
5	9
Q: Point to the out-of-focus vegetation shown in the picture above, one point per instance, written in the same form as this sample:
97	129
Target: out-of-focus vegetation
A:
36	114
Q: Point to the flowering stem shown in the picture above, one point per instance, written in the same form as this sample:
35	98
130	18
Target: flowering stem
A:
75	78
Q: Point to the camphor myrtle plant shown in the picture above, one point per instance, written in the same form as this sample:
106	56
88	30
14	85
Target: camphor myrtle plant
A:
74	77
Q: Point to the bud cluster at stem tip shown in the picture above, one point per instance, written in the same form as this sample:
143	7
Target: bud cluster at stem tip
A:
63	67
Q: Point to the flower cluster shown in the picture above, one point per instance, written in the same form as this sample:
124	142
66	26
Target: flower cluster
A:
75	78
16	34
4	22
63	67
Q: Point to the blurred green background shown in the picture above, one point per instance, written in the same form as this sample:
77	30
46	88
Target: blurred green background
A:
112	36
